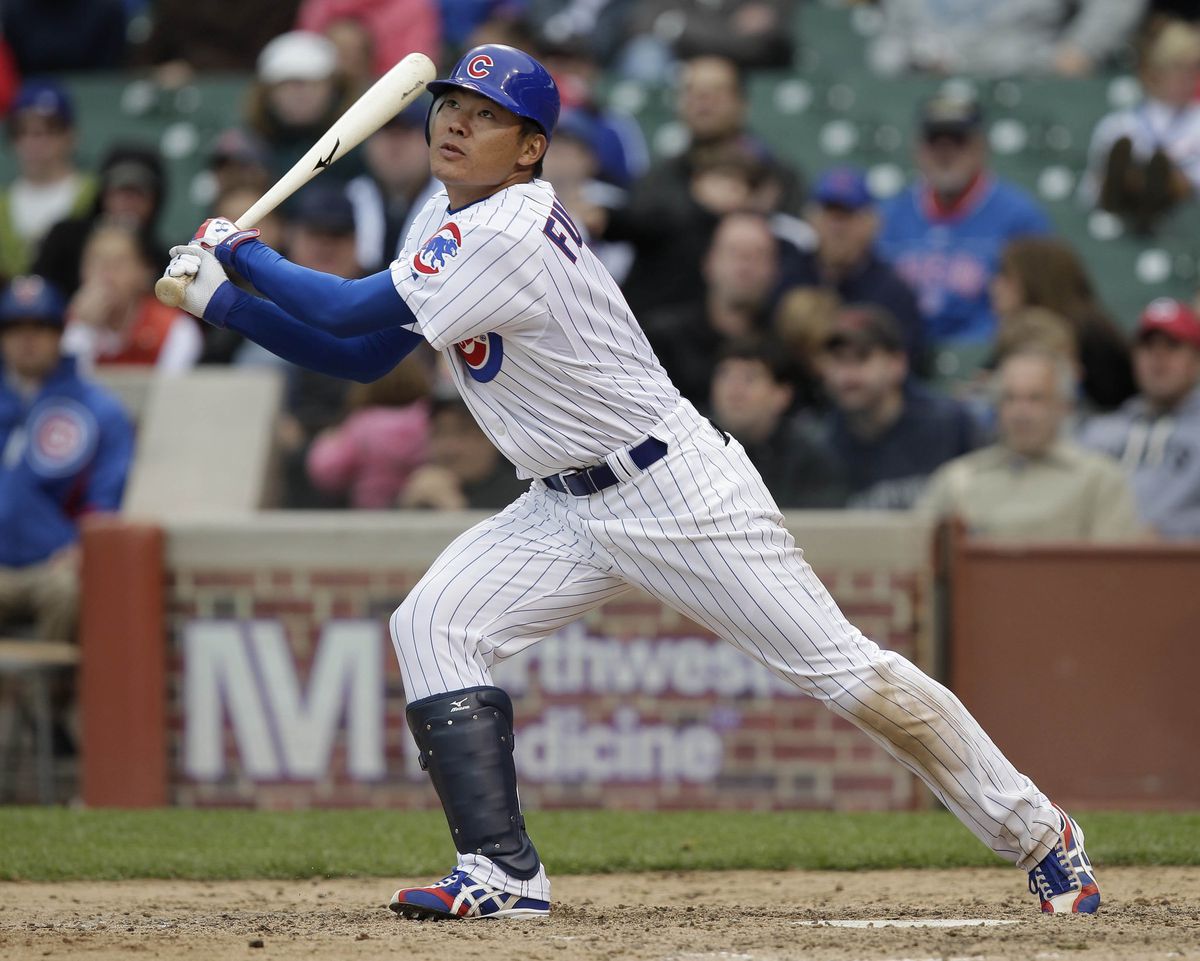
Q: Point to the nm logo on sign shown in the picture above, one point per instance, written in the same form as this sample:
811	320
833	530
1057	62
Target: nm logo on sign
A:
245	671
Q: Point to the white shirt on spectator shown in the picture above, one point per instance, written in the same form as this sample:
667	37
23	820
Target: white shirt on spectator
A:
1149	125
38	207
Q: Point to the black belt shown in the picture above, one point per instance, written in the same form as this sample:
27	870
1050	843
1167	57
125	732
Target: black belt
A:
592	480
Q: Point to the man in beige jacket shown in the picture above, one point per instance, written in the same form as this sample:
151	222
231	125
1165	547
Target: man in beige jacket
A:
1033	484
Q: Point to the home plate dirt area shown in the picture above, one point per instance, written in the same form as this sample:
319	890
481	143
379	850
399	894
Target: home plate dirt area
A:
1148	913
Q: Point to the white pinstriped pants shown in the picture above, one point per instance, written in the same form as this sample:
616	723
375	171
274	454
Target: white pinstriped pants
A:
699	531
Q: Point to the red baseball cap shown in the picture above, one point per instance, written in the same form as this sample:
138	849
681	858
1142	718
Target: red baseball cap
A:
1171	317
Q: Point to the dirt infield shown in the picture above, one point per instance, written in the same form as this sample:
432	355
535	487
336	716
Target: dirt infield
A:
736	916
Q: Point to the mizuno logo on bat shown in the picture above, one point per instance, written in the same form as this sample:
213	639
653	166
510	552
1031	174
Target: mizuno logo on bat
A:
322	164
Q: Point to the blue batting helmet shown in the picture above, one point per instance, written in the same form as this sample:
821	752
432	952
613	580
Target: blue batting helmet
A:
508	76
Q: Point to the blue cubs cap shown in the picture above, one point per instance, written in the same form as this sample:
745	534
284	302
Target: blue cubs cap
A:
508	76
46	98
31	299
843	187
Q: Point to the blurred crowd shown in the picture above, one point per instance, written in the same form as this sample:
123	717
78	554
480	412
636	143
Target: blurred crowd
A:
797	308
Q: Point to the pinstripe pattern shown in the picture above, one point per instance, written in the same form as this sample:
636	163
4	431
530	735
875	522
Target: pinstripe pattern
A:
578	378
698	530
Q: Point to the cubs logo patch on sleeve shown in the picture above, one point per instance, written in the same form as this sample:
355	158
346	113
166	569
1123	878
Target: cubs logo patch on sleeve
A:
431	258
482	356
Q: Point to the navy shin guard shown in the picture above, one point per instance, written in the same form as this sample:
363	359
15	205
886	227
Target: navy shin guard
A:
466	744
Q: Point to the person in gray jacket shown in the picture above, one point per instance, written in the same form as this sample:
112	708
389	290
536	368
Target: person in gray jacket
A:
1013	38
1156	434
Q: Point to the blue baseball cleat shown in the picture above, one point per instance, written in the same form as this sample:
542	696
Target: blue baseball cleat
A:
1063	879
459	896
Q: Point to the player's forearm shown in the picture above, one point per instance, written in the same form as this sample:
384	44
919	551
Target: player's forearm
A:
344	308
363	358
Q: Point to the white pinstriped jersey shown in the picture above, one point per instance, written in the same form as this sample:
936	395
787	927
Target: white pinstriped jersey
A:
541	343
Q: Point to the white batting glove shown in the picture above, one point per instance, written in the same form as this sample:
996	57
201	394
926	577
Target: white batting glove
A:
207	278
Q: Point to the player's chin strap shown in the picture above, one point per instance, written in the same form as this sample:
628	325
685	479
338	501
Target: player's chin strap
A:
466	743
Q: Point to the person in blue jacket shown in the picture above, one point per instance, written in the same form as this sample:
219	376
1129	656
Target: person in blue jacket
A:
944	234
65	449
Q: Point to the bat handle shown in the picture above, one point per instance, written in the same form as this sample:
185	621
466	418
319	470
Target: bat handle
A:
170	290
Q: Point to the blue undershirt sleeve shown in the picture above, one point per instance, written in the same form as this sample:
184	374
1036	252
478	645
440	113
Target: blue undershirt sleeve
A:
364	358
344	308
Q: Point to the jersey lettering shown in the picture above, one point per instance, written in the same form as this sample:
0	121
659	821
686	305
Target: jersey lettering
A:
560	226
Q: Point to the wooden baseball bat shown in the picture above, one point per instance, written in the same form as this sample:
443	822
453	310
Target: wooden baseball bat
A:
390	94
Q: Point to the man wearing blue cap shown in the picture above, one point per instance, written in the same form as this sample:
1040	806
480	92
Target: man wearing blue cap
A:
843	214
49	187
65	449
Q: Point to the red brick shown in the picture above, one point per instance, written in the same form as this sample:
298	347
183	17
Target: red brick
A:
858	782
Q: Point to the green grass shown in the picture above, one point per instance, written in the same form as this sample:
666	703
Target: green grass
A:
42	844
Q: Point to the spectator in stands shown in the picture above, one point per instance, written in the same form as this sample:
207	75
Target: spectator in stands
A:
393	28
754	34
802	323
67	446
321	235
1070	38
1046	272
383	439
239	158
945	233
673	210
844	216
395	187
297	95
114	317
1145	160
615	137
888	432
49	187
465	470
741	272
1156	435
187	36
53	36
132	191
752	399
1033	484
574	166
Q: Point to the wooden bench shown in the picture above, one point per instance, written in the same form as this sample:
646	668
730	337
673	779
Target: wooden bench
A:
33	662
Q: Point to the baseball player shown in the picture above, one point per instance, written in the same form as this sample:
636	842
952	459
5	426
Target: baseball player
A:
629	486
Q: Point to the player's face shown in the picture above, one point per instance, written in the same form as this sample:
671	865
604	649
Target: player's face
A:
1166	369
477	147
1031	406
30	350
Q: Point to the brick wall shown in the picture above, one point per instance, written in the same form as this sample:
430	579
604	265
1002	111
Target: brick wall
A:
633	707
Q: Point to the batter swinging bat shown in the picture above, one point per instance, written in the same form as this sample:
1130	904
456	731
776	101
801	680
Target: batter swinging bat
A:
390	94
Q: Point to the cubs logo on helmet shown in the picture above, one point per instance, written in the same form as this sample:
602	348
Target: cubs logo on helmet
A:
482	356
431	258
480	66
62	438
